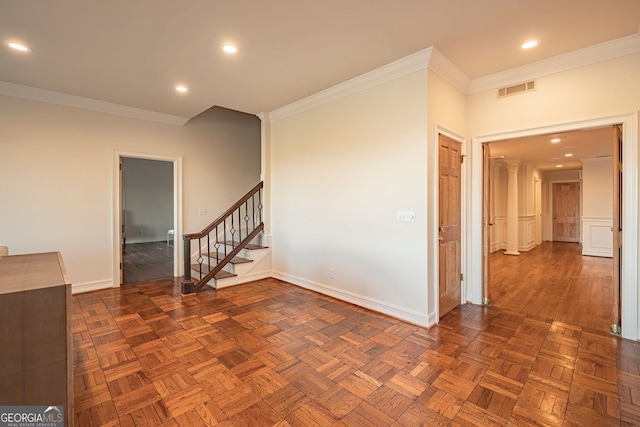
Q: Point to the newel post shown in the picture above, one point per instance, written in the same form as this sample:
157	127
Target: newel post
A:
187	283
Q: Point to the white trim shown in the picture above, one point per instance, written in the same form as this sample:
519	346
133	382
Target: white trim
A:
178	261
591	224
74	101
372	304
429	58
579	58
448	71
91	286
630	199
402	67
227	283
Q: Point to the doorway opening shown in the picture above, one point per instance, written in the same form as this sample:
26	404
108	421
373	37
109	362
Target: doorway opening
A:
564	184
628	213
147	220
147	217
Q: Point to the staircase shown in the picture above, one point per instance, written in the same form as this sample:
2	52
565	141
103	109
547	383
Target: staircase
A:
228	249
238	269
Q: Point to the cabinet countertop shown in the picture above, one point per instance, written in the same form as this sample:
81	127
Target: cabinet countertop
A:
20	273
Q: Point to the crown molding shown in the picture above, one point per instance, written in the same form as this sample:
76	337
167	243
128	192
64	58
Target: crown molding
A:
579	58
407	65
448	71
59	98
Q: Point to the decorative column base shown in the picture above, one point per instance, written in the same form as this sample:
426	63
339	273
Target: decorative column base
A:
511	253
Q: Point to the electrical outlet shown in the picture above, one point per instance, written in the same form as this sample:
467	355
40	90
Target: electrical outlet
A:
202	211
332	273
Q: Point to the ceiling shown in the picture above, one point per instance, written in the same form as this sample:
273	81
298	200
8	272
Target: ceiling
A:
134	53
546	155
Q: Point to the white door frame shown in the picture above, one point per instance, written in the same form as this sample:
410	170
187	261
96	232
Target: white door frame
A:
630	215
178	262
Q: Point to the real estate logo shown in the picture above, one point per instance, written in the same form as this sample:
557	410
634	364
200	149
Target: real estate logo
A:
31	416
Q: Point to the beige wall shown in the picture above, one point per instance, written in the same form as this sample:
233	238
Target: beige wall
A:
339	175
57	166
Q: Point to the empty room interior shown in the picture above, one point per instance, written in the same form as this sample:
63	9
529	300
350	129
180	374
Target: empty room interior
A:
320	214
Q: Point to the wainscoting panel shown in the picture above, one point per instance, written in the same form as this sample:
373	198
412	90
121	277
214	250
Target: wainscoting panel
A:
597	237
526	233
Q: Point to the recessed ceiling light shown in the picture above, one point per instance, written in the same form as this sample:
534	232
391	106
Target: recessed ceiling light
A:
230	49
181	89
568	154
530	44
18	46
555	140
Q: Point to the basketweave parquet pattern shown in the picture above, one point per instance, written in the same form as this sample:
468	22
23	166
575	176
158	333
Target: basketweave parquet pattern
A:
272	354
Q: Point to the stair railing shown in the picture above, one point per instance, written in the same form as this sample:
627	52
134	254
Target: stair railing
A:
230	233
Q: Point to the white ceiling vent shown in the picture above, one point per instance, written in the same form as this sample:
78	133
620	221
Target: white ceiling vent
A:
517	89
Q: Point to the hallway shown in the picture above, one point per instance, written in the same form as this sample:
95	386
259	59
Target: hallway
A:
554	281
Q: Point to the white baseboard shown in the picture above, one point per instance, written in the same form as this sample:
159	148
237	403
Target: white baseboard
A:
381	307
221	284
91	286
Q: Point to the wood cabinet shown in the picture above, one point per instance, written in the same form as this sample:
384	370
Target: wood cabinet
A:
36	343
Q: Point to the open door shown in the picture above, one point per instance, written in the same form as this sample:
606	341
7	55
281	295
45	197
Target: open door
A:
122	231
449	213
616	314
486	222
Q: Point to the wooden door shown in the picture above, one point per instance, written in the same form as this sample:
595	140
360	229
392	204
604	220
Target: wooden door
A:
121	241
449	268
616	313
566	212
486	218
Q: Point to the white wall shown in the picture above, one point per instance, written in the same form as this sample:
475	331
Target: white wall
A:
597	214
597	190
56	176
339	174
147	193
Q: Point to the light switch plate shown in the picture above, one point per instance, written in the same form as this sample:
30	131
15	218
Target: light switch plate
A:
406	216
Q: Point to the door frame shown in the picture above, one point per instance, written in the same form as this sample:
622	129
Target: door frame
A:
435	209
629	276
178	262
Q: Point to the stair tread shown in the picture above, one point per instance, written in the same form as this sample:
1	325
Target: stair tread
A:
252	246
234	260
205	269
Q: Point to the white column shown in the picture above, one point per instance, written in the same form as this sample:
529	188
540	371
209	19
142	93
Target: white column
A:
512	207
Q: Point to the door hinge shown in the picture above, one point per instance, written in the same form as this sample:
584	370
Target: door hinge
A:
120	266
462	158
461	277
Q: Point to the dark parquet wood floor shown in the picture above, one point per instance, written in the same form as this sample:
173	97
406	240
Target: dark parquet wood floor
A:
271	354
143	262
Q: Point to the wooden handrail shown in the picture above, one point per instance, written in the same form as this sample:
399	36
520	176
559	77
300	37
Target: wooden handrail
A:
228	212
